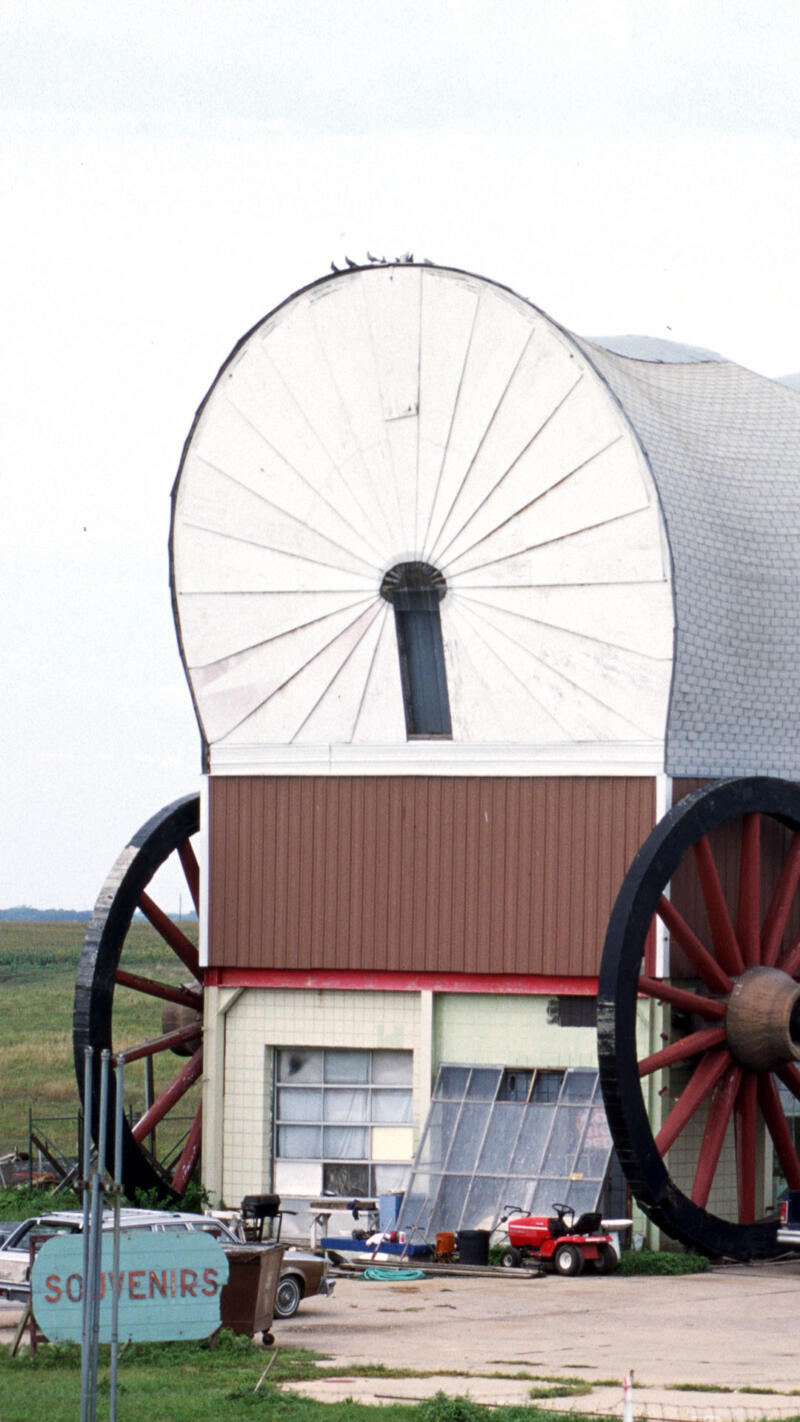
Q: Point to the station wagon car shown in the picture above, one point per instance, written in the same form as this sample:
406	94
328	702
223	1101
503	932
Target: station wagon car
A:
302	1273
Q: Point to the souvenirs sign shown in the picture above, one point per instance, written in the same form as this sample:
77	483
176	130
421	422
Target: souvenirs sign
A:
168	1286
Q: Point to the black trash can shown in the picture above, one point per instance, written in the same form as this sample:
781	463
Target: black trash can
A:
473	1246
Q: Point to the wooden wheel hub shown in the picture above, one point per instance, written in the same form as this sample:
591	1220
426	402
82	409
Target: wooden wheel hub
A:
175	1015
762	1021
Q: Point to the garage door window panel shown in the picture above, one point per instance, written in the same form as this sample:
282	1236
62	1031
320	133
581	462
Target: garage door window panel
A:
362	1104
299	1142
299	1064
299	1105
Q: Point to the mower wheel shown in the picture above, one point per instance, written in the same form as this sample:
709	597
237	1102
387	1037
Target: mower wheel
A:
511	1258
568	1261
606	1261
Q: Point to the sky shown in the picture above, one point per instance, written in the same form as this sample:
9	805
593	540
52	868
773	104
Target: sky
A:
171	172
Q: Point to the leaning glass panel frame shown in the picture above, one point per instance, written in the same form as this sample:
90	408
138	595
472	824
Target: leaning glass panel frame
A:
474	1156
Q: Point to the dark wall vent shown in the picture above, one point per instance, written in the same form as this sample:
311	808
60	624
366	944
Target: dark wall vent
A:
415	591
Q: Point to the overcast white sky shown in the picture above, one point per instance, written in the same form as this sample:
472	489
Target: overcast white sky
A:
170	172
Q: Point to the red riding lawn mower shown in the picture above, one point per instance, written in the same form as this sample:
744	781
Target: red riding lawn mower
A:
561	1243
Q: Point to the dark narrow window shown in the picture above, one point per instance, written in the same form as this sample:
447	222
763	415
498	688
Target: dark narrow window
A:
415	591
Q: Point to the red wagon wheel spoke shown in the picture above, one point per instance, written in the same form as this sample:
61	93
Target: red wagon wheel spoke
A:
720	1111
165	1043
181	946
715	979
731	1012
104	1014
681	1051
745	1137
777	914
748	918
701	1084
679	997
187	997
790	962
778	1127
169	1098
191	871
790	1076
725	941
189	1155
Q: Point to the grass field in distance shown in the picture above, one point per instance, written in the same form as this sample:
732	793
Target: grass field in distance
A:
38	969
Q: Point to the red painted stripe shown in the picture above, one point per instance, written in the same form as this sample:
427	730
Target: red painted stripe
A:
351	980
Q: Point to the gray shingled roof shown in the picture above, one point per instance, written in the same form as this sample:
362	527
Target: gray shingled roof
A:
724	447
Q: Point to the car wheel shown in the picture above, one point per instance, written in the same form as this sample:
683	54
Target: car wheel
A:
568	1260
287	1299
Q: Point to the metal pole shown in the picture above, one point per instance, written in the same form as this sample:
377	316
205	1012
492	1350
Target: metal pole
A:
118	1088
96	1231
86	1170
149	1098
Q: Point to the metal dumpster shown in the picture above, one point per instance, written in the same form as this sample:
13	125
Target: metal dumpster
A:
247	1302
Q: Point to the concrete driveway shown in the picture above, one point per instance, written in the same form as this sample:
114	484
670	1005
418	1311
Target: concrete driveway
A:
725	1332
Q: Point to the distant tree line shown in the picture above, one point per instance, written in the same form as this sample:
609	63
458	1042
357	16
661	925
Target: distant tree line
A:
23	913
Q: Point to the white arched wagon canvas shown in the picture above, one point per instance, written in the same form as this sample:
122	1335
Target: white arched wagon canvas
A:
466	604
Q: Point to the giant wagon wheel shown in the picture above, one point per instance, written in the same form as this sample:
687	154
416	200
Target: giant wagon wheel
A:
721	873
175	997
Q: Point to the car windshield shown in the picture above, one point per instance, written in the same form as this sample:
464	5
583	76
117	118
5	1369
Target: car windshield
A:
19	1239
217	1231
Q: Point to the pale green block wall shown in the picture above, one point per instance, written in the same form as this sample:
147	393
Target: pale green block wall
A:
506	1031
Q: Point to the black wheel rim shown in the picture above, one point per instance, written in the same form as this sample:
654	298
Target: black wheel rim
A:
101	969
749	929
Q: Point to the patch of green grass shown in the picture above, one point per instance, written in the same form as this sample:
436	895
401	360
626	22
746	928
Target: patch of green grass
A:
651	1261
441	1408
701	1387
772	1391
38	968
20	1202
567	1388
193	1382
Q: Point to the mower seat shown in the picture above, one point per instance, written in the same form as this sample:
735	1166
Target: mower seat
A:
587	1223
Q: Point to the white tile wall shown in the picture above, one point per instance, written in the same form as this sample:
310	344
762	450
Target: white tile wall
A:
261	1020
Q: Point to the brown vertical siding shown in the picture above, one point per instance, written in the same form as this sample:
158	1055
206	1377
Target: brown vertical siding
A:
414	874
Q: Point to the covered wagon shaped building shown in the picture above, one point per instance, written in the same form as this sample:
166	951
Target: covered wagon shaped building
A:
474	613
